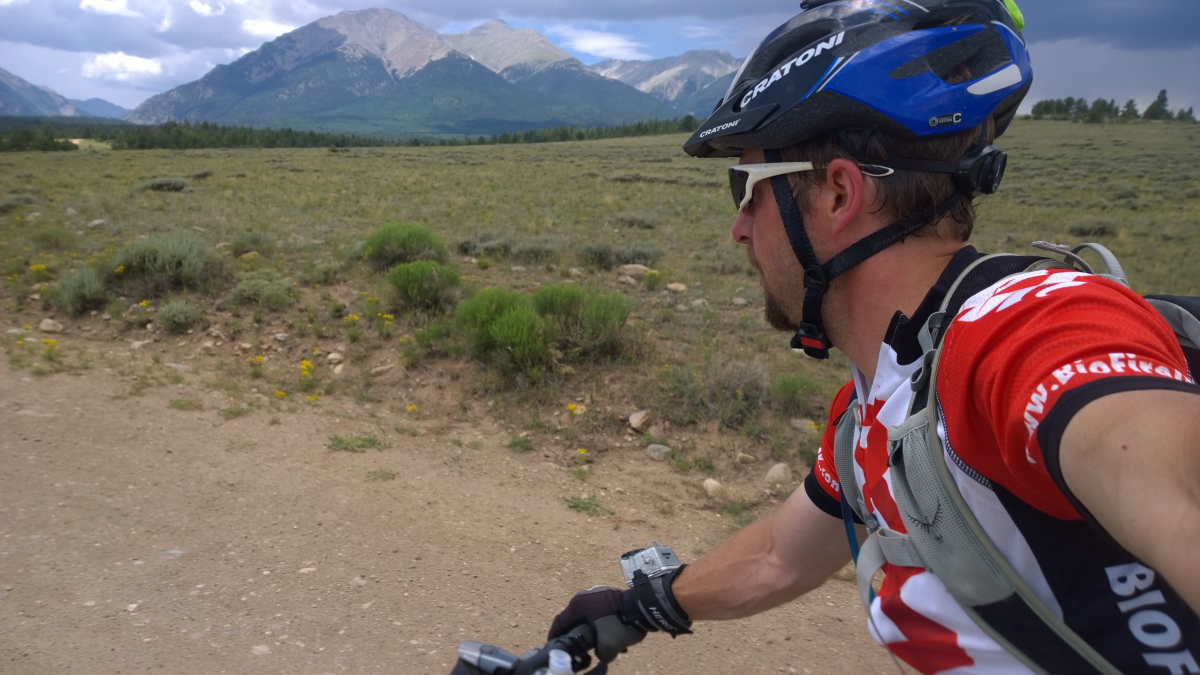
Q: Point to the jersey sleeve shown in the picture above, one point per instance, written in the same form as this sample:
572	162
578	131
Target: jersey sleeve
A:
1033	350
822	485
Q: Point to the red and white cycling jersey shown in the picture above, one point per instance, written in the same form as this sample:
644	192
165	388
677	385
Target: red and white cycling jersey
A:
1021	358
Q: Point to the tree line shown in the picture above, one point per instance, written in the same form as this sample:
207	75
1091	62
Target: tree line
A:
40	134
1100	110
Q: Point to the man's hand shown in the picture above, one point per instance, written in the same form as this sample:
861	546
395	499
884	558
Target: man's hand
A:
1133	459
601	607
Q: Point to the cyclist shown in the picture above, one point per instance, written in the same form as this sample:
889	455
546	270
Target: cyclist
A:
1068	416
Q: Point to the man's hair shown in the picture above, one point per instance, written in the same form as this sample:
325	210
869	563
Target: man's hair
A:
904	192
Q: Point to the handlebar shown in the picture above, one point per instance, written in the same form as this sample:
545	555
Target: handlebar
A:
476	658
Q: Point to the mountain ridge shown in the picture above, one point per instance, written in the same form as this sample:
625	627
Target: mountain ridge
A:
675	79
354	72
19	97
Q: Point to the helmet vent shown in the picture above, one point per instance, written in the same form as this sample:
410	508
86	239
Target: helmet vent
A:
973	56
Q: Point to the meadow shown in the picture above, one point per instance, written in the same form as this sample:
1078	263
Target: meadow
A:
521	217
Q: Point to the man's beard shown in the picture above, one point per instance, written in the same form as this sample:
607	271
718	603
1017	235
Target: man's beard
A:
773	311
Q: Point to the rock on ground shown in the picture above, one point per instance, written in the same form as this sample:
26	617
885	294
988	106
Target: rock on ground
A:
657	452
780	473
640	421
633	270
50	326
676	288
713	488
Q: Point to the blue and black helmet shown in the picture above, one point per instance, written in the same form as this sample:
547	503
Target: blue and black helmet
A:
874	64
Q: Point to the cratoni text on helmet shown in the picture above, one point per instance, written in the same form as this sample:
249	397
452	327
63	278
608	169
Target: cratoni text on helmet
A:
785	69
723	127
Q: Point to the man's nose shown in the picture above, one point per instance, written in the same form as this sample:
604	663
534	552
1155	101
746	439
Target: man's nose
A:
743	227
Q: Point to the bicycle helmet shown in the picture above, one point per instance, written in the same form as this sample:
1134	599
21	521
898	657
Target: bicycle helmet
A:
880	67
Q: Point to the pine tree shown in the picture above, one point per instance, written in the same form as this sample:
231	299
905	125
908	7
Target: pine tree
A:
1130	112
1158	110
1188	115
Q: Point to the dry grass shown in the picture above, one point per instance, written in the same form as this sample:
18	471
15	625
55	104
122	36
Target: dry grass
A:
1133	187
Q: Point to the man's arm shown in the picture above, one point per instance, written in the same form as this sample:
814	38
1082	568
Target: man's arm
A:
770	562
1133	459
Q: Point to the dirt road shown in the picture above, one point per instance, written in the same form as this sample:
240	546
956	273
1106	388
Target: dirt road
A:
139	538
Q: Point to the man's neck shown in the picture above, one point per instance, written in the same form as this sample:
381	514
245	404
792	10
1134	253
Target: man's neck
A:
861	304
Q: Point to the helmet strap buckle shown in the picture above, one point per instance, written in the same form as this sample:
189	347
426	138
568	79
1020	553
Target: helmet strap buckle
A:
812	341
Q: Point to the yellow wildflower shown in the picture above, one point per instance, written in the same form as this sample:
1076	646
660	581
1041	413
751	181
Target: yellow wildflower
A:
571	407
582	451
412	408
280	394
37	268
120	270
144	303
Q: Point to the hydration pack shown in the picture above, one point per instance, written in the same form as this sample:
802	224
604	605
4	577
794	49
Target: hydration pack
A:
943	536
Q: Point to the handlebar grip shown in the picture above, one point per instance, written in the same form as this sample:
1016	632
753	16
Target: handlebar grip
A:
577	643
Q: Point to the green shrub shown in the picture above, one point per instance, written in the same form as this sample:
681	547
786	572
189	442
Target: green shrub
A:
475	316
791	394
603	322
178	316
399	243
425	286
15	202
80	290
537	250
493	244
51	238
597	254
505	331
638	253
264	288
523	343
164	185
564	303
254	240
729	392
163	262
432	341
587	324
315	273
640	221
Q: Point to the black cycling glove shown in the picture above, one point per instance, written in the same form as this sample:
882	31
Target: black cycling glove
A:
622	618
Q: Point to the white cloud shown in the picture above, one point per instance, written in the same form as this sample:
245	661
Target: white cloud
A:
118	7
206	10
8	3
598	43
120	67
265	29
697	32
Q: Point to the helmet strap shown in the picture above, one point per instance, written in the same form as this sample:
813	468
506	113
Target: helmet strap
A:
811	337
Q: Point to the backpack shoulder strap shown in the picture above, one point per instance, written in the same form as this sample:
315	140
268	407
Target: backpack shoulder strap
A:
943	535
1183	315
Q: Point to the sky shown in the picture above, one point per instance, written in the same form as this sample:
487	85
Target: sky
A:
125	51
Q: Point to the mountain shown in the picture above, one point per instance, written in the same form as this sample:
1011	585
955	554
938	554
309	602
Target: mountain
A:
702	102
499	46
378	71
675	80
98	107
20	98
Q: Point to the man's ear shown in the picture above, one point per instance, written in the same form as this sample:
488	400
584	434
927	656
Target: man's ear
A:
843	198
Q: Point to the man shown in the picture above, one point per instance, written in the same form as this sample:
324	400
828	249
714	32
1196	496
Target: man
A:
1069	419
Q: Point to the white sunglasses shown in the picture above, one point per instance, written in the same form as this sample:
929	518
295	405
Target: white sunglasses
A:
743	176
